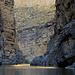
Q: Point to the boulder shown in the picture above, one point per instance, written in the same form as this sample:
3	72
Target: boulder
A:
36	61
71	67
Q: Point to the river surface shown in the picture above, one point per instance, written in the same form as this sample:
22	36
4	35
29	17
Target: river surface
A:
29	70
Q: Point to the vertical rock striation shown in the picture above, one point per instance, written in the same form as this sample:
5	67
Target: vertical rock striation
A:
7	32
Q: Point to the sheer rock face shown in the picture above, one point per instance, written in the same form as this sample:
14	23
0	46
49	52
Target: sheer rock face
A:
61	48
7	31
33	41
65	13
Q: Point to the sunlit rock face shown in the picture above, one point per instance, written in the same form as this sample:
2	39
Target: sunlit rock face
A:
33	41
34	25
61	48
7	32
29	3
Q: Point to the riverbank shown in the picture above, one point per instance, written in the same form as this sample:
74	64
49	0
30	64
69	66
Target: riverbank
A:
27	66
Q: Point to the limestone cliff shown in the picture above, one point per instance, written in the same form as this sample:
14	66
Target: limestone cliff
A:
26	17
33	41
7	32
29	3
33	25
61	48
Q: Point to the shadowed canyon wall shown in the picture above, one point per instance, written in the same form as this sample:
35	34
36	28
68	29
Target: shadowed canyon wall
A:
65	13
29	3
61	48
7	32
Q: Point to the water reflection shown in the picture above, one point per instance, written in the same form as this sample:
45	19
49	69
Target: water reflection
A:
22	71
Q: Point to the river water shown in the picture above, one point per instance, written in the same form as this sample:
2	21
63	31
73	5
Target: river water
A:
29	70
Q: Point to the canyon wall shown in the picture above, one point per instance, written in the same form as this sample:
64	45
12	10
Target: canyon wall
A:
32	33
33	41
61	48
65	13
7	32
29	3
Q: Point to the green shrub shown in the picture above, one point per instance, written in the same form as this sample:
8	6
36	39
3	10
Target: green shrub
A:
19	62
26	61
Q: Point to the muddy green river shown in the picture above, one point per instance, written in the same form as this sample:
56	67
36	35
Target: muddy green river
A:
30	70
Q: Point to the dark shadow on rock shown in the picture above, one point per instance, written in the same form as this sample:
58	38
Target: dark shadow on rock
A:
61	51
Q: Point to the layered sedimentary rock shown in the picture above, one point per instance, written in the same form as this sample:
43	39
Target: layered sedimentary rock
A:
7	32
33	41
32	33
8	55
61	48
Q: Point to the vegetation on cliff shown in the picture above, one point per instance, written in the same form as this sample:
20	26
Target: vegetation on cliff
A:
33	16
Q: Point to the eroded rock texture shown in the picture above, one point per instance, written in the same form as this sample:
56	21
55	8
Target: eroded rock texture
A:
65	13
33	41
61	48
7	32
